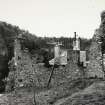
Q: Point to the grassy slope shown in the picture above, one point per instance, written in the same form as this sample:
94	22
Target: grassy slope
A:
65	90
92	95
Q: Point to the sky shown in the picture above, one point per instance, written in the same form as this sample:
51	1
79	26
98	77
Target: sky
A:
54	17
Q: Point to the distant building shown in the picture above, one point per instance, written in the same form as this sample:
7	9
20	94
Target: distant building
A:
76	42
60	56
75	55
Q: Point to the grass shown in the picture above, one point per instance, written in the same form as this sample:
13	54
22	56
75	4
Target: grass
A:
64	90
92	95
75	92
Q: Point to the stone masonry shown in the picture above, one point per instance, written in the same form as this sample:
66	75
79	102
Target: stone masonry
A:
95	56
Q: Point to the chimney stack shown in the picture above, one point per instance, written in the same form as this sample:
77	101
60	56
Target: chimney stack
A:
75	35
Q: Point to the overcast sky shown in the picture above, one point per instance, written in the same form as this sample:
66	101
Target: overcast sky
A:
53	17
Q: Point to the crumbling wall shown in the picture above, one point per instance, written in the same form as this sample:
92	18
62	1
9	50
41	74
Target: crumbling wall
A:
95	68
95	56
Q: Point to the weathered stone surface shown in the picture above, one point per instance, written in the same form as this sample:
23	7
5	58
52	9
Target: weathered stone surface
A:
95	56
94	67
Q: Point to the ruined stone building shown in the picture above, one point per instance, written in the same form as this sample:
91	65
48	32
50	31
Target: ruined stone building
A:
25	70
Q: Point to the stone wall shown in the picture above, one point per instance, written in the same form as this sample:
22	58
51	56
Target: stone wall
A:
95	68
95	56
